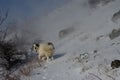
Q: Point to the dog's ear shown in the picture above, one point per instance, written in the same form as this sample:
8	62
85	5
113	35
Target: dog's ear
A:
37	45
50	43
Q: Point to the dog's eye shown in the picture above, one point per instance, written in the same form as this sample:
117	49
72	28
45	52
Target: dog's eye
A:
49	43
37	45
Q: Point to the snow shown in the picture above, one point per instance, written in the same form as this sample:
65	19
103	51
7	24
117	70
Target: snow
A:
90	25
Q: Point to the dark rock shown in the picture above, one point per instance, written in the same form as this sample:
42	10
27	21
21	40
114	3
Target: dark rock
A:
116	17
115	64
65	32
114	34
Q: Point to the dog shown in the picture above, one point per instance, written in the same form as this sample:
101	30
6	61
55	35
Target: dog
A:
44	50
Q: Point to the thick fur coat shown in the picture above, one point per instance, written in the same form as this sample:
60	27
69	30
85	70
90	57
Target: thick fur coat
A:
44	50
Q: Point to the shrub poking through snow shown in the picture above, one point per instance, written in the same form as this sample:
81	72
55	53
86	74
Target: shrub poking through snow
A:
83	58
26	70
11	77
9	55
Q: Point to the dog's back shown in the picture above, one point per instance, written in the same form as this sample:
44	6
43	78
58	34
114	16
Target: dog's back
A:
46	49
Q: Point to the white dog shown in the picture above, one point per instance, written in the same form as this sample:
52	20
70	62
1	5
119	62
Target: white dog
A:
44	50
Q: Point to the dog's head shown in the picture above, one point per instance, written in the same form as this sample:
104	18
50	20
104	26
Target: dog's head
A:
35	47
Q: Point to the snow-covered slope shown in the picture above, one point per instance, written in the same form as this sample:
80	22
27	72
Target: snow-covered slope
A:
87	52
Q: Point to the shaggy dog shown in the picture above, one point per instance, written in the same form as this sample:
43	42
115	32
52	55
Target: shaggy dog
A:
44	50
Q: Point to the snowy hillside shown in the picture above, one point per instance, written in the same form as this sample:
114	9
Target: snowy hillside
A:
84	49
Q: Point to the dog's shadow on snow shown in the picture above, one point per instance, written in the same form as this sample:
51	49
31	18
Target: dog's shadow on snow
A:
56	56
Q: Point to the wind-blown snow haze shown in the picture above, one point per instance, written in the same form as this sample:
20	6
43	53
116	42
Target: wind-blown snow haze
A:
86	36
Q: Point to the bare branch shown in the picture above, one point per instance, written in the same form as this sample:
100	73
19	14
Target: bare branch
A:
95	76
3	19
111	77
5	34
